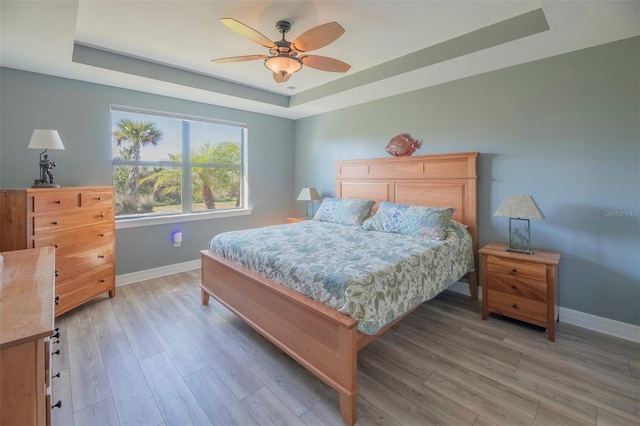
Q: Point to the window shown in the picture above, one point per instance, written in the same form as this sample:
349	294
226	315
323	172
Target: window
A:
165	164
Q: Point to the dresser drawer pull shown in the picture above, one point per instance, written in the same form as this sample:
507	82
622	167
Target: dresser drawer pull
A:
101	256
55	342
101	235
56	335
99	198
514	270
56	376
101	281
56	245
515	287
57	405
59	202
55	222
56	273
515	306
101	215
56	300
56	352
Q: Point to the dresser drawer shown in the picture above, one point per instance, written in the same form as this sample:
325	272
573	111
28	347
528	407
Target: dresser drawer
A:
75	239
524	287
83	288
81	262
43	224
96	198
501	265
518	307
55	202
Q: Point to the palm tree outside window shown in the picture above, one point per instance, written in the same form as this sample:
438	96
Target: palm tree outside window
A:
165	164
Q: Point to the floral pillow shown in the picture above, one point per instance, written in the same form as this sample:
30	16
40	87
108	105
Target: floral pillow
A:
344	211
427	222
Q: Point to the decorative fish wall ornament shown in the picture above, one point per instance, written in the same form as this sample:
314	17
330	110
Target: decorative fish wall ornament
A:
402	145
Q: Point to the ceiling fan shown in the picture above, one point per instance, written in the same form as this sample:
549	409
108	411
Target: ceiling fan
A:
283	59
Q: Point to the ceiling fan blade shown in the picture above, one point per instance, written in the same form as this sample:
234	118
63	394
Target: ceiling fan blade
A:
318	37
325	64
239	59
248	32
279	78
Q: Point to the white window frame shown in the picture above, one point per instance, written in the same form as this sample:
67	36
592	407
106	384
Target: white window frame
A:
186	196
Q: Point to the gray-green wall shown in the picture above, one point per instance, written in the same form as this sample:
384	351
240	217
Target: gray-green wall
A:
81	114
565	130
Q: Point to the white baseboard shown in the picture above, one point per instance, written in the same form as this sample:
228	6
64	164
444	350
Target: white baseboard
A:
569	316
580	319
149	274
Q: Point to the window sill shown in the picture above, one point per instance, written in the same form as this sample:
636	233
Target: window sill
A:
178	218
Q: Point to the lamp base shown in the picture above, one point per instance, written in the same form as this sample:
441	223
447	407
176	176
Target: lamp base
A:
40	184
519	236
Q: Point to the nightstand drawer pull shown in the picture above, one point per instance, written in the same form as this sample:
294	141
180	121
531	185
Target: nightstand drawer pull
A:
515	306
515	287
514	270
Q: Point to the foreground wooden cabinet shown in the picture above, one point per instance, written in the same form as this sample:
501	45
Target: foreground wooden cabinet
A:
79	223
26	324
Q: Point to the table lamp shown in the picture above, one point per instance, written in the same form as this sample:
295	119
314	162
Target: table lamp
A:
45	139
519	209
308	195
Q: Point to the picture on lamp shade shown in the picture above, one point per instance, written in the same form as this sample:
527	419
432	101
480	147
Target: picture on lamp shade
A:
519	235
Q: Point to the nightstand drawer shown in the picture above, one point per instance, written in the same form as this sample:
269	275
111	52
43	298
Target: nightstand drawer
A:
518	307
517	268
529	289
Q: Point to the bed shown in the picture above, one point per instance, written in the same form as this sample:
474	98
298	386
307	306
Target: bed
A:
322	339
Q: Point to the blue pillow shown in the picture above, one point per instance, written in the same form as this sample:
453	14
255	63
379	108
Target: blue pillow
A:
344	211
427	222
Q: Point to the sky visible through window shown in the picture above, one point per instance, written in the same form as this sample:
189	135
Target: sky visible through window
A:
171	143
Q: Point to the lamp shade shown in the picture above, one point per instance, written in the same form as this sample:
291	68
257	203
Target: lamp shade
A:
283	64
308	194
45	139
519	206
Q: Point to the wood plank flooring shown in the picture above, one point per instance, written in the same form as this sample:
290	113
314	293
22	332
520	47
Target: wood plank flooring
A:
155	356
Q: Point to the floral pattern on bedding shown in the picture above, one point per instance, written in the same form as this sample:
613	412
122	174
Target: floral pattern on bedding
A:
372	276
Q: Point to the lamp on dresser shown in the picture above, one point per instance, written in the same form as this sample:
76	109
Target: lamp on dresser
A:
45	139
519	209
308	195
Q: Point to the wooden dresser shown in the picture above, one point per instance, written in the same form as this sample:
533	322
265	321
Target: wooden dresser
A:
519	285
79	223
26	324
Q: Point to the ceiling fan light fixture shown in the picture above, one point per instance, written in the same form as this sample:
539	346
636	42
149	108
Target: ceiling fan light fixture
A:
283	64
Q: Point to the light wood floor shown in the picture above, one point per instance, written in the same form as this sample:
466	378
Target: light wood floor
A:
154	355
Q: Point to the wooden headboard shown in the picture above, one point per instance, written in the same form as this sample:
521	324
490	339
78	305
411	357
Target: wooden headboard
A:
444	180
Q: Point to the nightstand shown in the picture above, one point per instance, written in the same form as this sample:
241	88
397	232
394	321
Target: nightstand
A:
521	286
297	219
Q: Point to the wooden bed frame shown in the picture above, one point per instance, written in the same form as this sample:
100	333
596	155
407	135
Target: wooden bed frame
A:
325	341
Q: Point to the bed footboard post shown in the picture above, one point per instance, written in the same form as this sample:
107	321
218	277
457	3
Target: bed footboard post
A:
348	338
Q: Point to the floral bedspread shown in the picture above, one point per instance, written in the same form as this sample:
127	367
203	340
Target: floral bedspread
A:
371	276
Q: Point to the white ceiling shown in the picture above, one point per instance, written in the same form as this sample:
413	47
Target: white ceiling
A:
166	47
